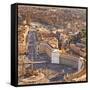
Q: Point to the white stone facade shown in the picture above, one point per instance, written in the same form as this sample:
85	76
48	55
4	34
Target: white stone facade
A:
55	56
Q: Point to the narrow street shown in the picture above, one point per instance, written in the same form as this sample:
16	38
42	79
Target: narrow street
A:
32	39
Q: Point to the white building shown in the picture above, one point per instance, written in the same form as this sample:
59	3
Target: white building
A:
55	56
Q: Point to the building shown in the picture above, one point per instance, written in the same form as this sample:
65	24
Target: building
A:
55	56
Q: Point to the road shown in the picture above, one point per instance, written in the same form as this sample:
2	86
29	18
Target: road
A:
32	39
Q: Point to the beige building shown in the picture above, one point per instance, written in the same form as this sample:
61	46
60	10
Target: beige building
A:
58	58
69	60
43	47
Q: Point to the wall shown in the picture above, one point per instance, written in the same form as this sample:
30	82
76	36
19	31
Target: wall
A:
45	48
69	60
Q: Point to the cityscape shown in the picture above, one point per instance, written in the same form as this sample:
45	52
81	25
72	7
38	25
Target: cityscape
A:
51	44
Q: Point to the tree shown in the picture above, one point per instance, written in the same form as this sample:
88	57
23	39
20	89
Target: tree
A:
83	31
